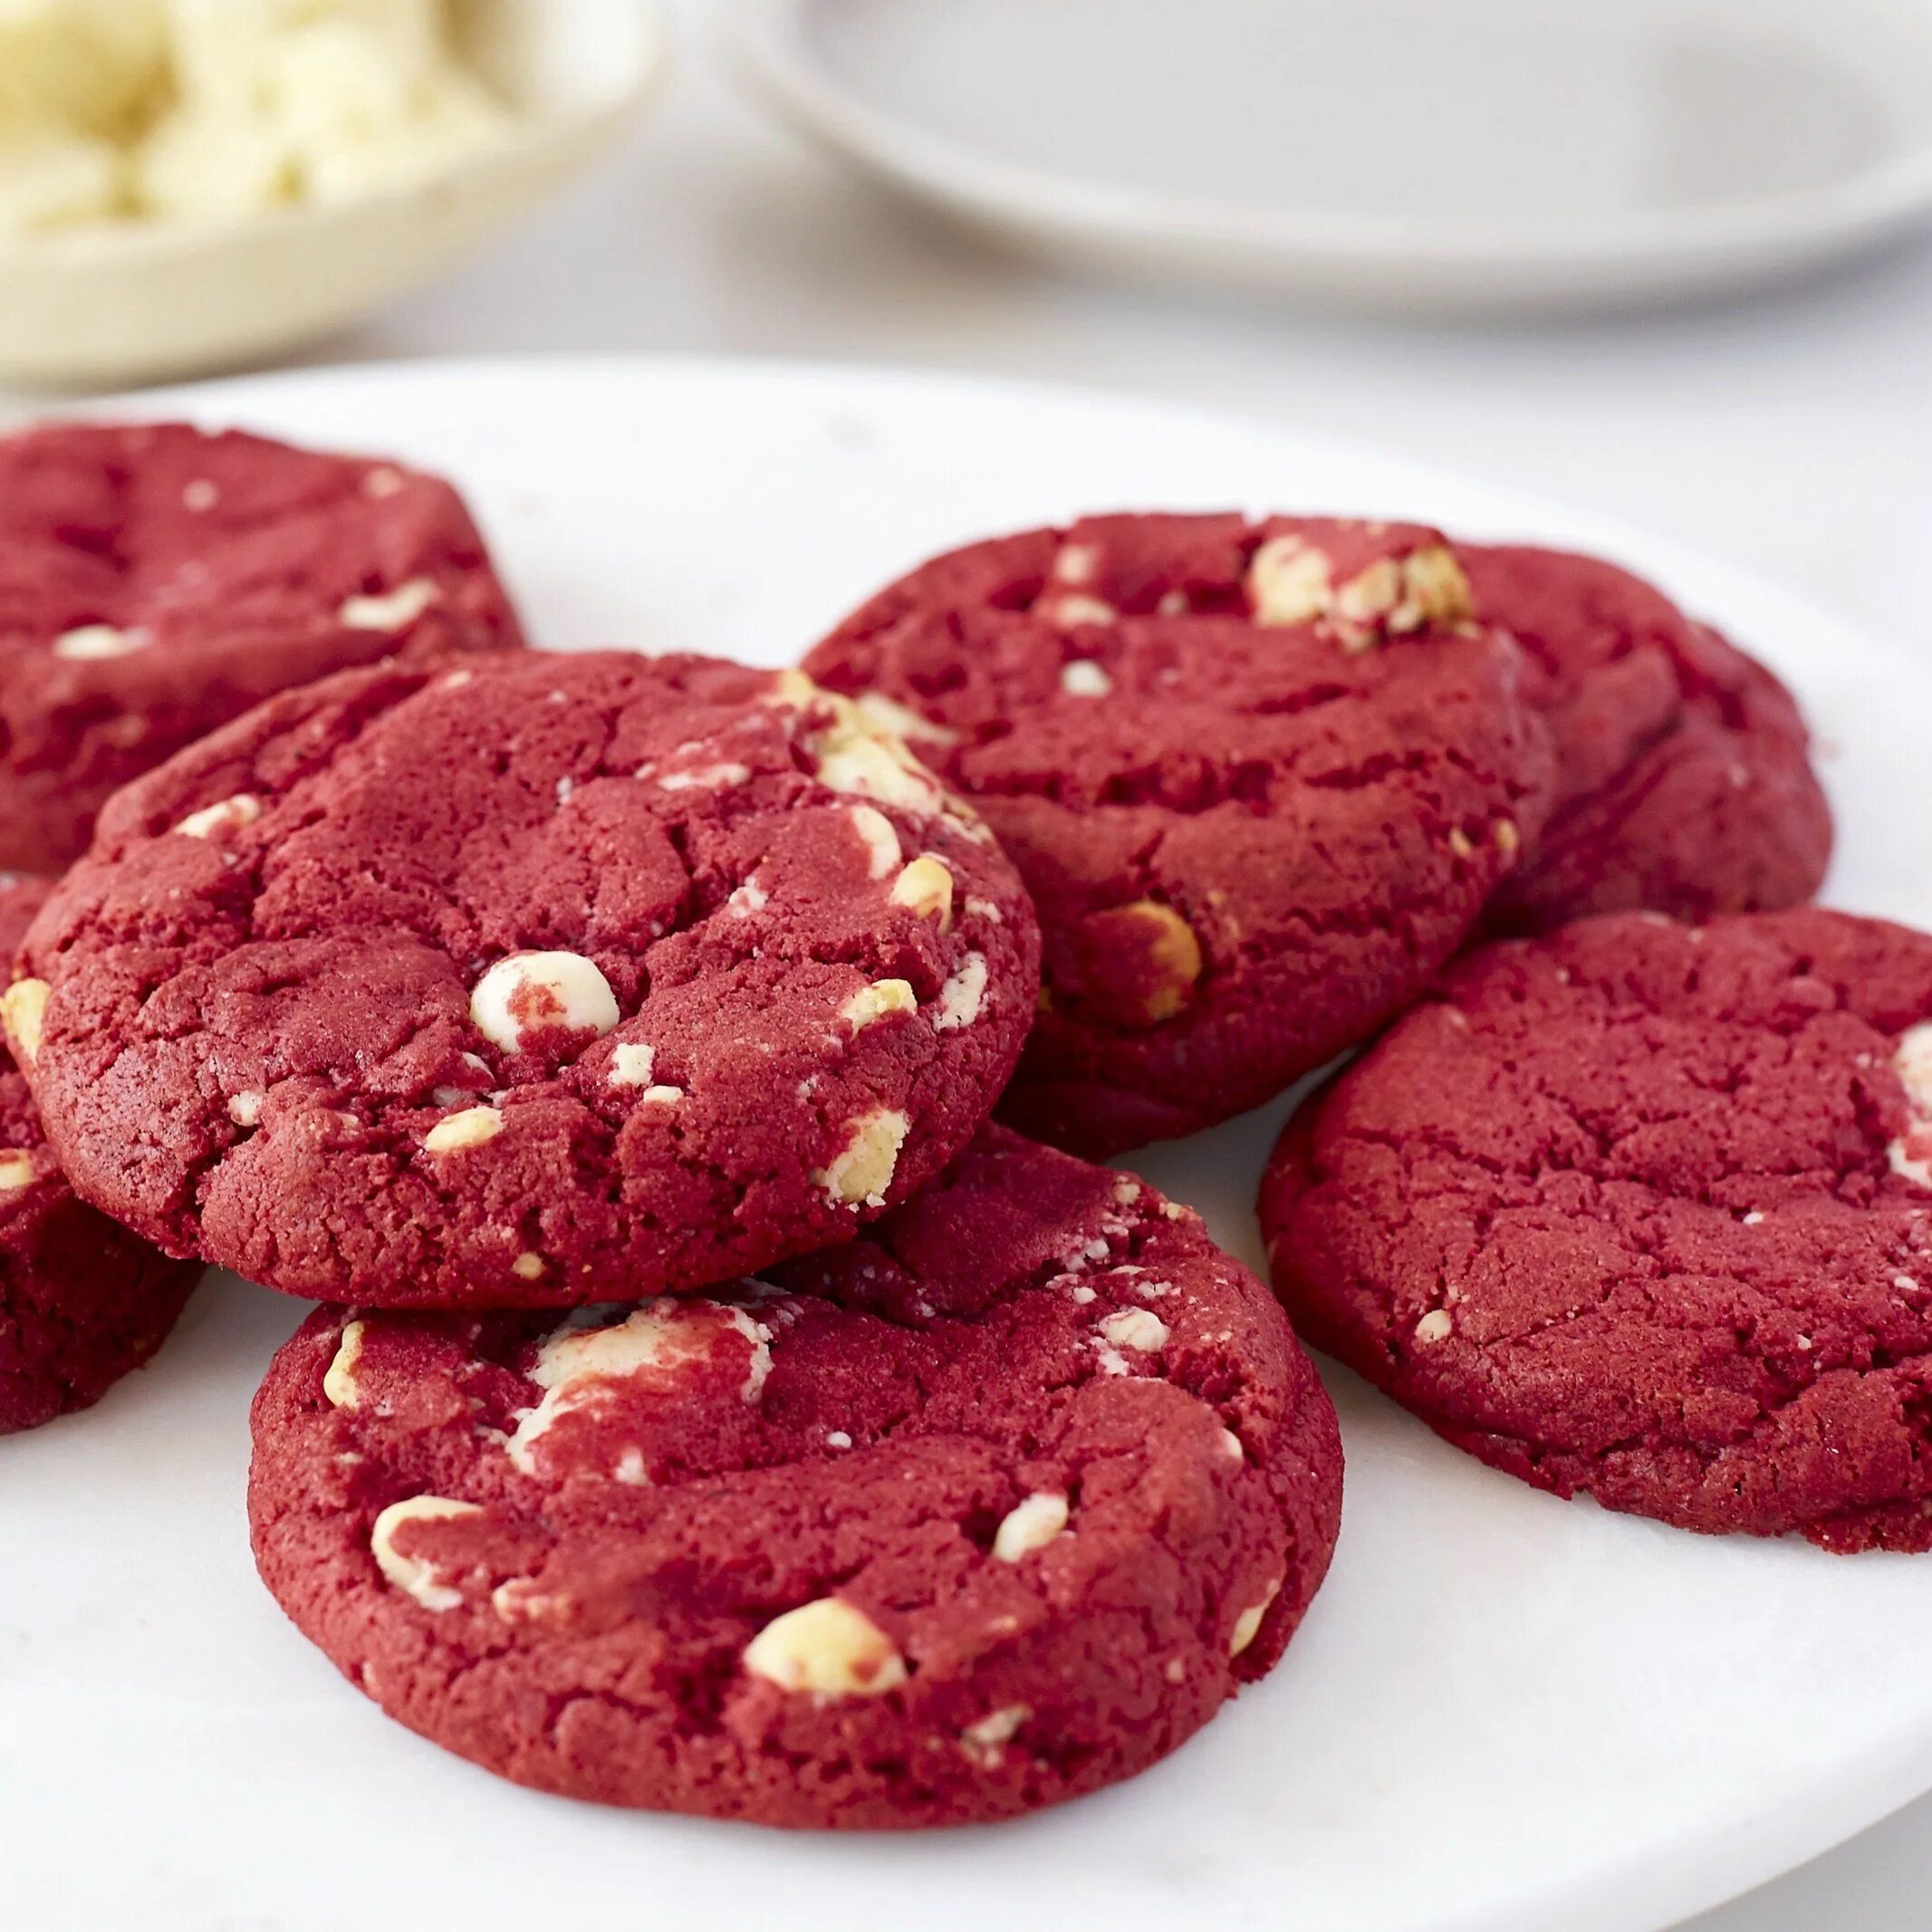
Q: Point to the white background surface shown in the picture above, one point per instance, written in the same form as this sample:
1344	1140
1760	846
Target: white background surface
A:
1794	435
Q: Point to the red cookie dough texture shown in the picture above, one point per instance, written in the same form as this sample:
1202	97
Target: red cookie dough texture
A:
532	981
82	1302
157	582
992	1507
1684	776
1260	778
1644	1211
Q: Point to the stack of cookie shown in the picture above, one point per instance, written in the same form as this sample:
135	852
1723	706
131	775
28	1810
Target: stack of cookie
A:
709	1408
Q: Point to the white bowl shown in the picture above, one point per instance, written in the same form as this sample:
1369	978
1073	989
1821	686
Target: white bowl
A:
134	301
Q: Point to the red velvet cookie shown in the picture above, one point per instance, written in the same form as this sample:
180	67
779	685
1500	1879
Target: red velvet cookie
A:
992	1507
544	980
1683	769
155	581
1645	1210
1260	781
82	1300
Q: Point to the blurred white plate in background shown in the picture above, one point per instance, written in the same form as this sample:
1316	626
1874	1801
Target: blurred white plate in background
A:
1505	1714
1411	155
127	302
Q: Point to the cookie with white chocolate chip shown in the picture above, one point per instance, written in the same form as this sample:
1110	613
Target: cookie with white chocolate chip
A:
157	582
1260	777
536	981
992	1507
1644	1211
82	1302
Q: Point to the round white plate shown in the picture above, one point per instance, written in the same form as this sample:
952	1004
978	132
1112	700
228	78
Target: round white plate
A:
1503	1713
1402	155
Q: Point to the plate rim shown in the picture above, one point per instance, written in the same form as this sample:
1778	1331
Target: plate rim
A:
762	39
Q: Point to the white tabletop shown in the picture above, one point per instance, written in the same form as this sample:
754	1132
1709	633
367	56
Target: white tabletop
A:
1789	435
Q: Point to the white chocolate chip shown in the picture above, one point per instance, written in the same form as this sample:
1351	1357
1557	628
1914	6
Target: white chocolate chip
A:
1085	679
579	1367
632	1064
23	1009
660	1096
229	815
519	1600
97	640
384	480
875	831
1459	843
1030	1525
901	720
717	778
1912	1062
1077	563
925	888
339	1383
864	1168
1232	1444
1911	1167
527	1267
244	1109
17	1170
1135	1328
534	992
414	1575
963	995
827	1648
838	1439
1247	1625
986	1741
750	898
200	496
1073	610
1435	1326
1288	583
392	611
470	1127
874	1002
855	754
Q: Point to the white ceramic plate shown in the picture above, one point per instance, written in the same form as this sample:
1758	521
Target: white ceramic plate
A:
1503	1713
1403	155
127	302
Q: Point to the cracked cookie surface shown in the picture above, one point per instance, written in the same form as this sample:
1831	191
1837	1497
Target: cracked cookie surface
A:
1260	779
82	1302
1644	1211
157	582
992	1506
1684	781
531	982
